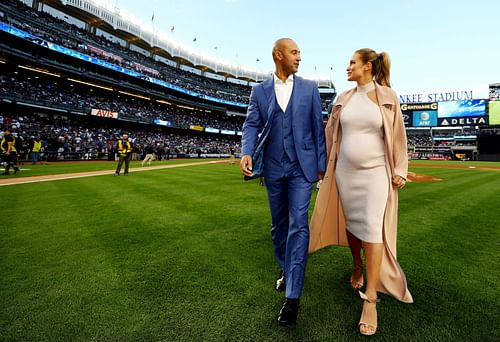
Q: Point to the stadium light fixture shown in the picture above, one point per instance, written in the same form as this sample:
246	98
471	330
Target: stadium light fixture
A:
185	107
136	95
163	101
90	84
42	71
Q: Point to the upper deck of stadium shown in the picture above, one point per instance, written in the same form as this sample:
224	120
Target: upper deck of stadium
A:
133	34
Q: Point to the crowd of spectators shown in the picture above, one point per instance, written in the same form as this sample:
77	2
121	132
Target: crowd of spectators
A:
54	30
58	92
490	131
66	138
495	92
459	137
420	140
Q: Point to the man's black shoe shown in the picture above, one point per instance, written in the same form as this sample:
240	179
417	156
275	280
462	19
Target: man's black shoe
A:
289	311
280	283
16	169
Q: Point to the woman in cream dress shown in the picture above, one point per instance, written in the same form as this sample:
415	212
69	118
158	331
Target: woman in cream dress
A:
361	176
367	164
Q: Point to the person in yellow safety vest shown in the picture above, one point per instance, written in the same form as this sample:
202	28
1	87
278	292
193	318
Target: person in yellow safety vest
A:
124	150
35	150
9	152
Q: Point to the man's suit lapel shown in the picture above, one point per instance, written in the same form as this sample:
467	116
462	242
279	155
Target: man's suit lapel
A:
269	93
295	99
270	96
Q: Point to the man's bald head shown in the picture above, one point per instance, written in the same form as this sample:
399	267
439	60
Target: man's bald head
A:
286	57
280	44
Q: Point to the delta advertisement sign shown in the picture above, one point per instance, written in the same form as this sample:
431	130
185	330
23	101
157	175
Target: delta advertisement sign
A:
451	113
462	113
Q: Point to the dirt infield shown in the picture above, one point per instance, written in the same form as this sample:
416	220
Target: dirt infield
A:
448	166
420	178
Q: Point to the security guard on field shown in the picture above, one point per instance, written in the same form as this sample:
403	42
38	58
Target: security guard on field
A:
124	150
35	150
9	152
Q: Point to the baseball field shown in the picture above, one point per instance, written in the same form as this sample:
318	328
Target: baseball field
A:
181	251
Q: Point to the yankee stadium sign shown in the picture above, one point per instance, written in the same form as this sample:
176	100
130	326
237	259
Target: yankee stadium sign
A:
436	96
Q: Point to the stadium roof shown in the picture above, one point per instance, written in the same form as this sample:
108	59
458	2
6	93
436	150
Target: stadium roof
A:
118	24
112	21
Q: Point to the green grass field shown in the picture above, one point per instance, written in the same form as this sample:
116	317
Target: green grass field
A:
28	170
185	255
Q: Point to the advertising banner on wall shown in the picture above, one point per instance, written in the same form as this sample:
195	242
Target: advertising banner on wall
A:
196	128
462	113
162	122
425	118
467	121
104	113
420	114
212	130
461	109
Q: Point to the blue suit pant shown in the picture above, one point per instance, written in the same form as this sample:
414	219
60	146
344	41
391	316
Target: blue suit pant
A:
289	198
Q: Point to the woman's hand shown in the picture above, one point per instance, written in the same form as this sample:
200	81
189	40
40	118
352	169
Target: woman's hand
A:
398	181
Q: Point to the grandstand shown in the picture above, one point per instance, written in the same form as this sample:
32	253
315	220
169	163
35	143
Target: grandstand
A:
54	71
450	130
443	143
112	74
457	143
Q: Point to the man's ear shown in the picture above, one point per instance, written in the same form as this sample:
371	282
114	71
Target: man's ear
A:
279	55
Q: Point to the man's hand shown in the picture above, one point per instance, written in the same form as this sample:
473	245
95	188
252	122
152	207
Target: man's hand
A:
246	165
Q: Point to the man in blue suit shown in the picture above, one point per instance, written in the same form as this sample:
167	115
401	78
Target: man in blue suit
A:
294	159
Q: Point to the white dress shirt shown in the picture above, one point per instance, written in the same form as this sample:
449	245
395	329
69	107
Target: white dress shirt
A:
283	90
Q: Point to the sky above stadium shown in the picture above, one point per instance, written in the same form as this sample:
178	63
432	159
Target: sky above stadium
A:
433	45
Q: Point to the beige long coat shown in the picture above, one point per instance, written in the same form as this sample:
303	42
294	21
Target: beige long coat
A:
328	226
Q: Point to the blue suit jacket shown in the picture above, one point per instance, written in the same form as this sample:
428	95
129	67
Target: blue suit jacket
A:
307	123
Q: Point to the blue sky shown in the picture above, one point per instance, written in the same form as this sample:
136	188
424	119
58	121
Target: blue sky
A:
434	45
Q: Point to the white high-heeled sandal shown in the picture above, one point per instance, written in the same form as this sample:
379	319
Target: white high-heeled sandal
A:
371	325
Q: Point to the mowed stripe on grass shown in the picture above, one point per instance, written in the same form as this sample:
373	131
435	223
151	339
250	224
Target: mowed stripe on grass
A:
71	175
